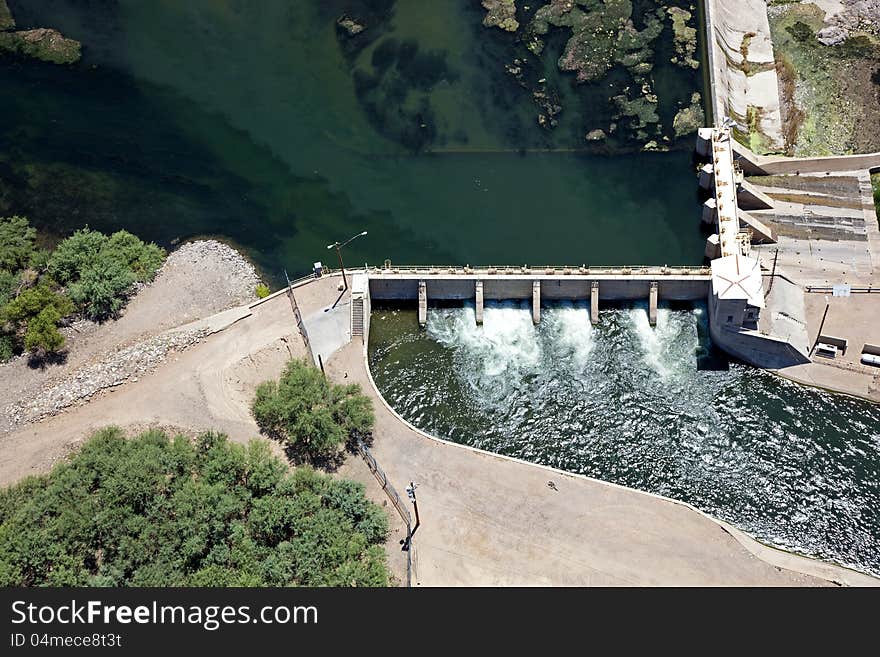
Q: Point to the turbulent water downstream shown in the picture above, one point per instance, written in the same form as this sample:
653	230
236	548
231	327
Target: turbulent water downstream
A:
654	409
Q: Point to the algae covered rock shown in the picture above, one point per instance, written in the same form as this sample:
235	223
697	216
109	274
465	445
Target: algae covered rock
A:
602	35
45	44
642	111
685	38
349	26
501	13
6	20
689	119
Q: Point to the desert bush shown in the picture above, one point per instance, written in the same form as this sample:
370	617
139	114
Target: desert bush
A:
160	511
311	415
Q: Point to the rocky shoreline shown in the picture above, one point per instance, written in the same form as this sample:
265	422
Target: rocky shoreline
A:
197	280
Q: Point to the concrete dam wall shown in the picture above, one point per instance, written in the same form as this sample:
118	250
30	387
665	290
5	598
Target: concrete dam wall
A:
742	71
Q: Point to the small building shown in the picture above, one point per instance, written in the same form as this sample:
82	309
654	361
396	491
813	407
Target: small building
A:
736	296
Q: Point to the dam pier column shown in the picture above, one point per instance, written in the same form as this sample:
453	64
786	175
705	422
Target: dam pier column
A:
423	303
478	301
652	304
536	302
594	303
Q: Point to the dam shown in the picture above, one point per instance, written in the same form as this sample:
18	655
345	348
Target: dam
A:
732	285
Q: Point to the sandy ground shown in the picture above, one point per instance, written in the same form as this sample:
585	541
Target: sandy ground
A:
193	283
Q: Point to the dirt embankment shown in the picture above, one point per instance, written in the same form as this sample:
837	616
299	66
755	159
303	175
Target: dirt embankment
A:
828	59
199	279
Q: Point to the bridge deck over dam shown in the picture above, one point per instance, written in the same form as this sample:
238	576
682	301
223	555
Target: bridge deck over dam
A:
562	283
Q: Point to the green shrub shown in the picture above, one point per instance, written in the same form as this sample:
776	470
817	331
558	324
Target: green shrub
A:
7	347
74	254
263	291
154	511
8	285
16	243
142	259
100	271
102	289
42	332
33	301
310	414
36	312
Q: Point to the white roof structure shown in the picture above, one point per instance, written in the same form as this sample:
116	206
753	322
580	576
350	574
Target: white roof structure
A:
738	277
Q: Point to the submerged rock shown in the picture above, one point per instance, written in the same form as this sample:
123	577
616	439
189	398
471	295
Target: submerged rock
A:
689	119
6	20
685	38
349	26
501	13
45	44
603	35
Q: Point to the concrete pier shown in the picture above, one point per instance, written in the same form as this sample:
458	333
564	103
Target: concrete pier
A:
536	302
423	303
707	176
652	304
710	211
594	303
478	301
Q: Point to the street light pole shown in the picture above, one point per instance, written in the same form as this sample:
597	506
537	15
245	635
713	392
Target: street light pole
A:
338	247
411	493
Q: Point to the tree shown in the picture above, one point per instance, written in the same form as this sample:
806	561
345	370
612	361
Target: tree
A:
102	288
16	243
33	301
74	254
35	313
309	413
42	335
143	260
100	271
158	511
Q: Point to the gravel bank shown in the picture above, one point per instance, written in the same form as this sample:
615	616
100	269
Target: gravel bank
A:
197	280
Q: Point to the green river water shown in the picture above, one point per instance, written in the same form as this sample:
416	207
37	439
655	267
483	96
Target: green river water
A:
259	122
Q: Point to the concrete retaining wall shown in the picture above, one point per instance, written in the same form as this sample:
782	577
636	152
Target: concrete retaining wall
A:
759	165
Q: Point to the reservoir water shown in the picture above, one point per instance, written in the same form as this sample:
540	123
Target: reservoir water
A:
257	121
265	123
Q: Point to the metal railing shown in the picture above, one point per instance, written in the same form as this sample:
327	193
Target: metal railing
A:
826	289
396	500
546	270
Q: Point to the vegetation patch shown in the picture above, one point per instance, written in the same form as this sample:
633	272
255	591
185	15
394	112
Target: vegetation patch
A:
89	273
685	38
160	511
830	94
7	22
310	415
43	44
501	13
